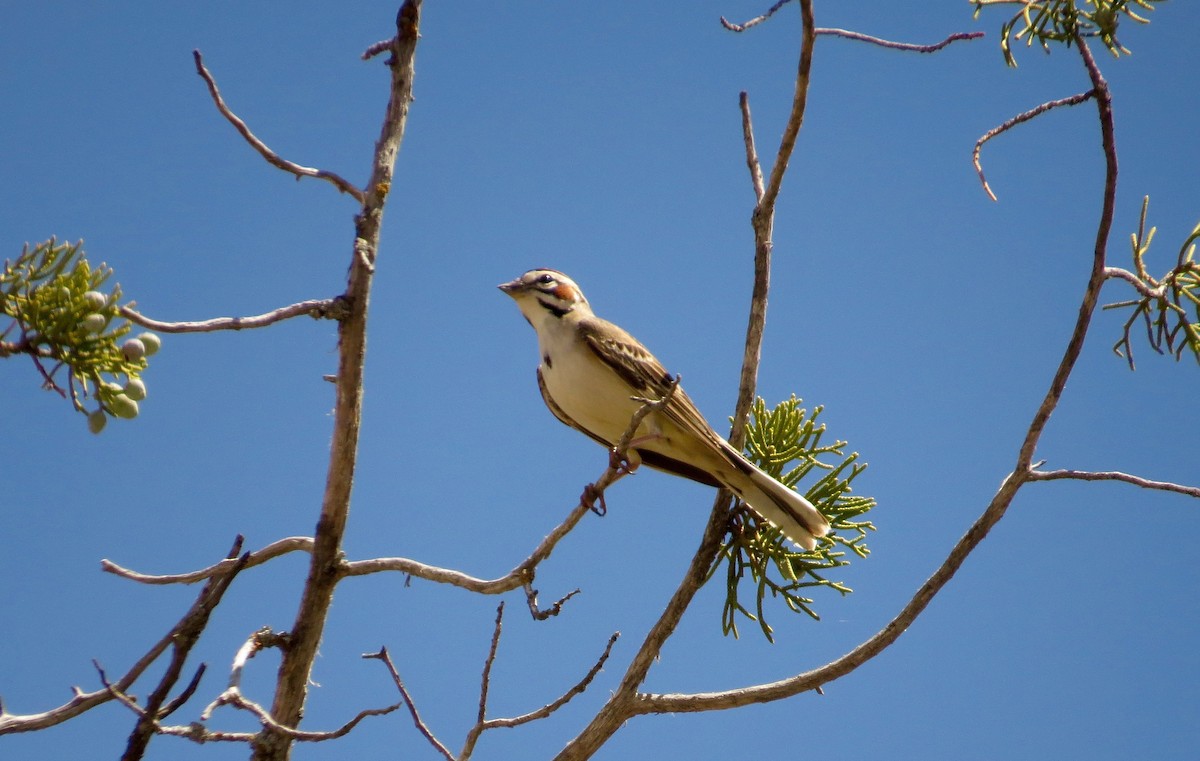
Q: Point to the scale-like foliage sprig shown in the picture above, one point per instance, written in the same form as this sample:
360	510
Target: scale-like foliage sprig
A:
1165	302
1059	21
61	318
786	443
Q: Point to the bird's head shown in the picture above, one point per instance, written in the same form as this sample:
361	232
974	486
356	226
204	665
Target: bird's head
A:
544	295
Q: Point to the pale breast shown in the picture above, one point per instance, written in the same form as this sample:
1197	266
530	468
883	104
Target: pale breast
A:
589	392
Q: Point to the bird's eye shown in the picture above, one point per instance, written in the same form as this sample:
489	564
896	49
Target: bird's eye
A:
545	279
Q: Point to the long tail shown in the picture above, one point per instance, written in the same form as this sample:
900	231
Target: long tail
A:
794	515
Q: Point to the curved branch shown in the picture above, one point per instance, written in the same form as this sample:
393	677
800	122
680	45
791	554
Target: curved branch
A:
1018	119
1113	475
1091	294
329	309
816	678
271	156
1117	273
273	550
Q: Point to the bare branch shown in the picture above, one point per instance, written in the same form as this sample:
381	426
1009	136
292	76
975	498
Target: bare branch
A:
182	644
271	156
382	655
273	550
81	701
260	640
483	725
539	614
752	162
787	143
906	46
485	680
754	21
1087	307
1018	119
1116	273
813	680
1113	475
332	309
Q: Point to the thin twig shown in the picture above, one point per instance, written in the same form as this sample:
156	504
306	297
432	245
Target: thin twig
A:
382	655
752	162
906	46
754	21
1116	273
315	308
271	156
541	713
273	550
1018	119
1113	475
539	614
561	701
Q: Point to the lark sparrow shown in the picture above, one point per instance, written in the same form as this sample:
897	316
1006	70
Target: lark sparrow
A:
590	372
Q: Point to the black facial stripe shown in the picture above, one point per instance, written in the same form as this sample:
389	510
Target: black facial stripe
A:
554	309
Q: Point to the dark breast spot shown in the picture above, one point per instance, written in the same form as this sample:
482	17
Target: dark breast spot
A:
546	361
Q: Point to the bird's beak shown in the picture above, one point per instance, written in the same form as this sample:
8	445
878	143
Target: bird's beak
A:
511	287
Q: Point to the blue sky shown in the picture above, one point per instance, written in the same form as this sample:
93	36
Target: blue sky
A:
604	140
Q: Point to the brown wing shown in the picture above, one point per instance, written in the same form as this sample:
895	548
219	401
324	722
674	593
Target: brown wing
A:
647	376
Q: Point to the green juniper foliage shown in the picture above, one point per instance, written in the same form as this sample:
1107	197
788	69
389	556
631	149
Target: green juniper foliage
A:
786	443
1060	20
1165	302
61	319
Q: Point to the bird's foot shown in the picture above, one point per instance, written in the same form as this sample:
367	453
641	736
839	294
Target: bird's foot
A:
625	464
594	499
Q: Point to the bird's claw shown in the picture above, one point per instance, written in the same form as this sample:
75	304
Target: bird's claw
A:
623	464
594	499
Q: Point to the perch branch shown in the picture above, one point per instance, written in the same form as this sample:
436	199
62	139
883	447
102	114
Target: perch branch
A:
271	156
523	573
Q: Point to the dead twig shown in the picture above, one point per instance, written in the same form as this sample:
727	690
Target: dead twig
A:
382	655
1018	119
273	158
330	309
